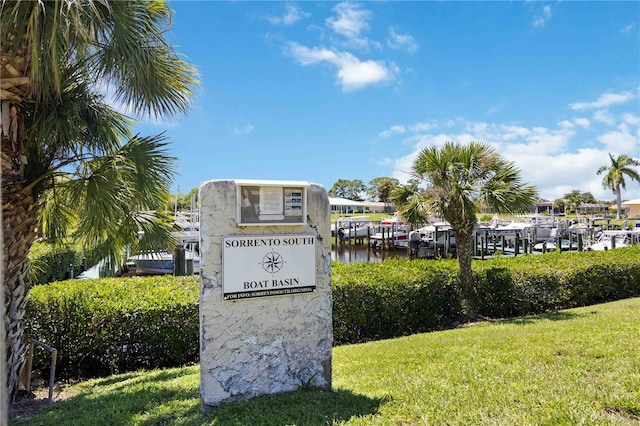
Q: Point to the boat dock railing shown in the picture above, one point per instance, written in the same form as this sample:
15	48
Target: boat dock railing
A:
487	242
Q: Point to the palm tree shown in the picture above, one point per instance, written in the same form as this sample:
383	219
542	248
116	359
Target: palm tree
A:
64	148
459	179
615	173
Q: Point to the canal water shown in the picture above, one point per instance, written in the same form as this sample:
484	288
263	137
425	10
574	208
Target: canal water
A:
360	253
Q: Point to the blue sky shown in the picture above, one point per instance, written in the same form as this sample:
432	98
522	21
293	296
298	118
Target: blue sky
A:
321	91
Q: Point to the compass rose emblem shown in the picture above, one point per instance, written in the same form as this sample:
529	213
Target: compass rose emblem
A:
272	262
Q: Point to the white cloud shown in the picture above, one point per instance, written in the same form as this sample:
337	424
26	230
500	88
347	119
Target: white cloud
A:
290	17
401	41
626	30
352	73
414	128
631	119
424	126
355	74
510	133
604	101
307	56
238	131
348	28
604	116
620	141
583	122
545	156
493	109
540	19
393	130
351	21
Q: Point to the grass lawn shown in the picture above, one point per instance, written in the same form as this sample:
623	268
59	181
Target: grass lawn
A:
579	366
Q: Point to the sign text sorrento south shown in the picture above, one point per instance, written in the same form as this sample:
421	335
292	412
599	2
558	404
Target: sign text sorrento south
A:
268	265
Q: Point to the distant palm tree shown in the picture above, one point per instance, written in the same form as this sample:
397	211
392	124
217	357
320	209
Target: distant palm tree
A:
459	180
614	178
69	158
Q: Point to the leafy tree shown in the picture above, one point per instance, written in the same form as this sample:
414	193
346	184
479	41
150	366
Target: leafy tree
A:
68	158
573	200
356	190
587	197
459	179
381	189
340	188
350	189
615	173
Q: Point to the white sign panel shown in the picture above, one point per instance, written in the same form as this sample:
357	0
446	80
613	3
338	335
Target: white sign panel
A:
271	203
268	265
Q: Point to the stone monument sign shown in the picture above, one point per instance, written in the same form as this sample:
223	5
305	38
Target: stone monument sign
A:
265	288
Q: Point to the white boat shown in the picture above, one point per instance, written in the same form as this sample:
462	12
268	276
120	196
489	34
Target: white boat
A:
159	263
551	245
430	231
391	230
536	227
150	264
355	230
347	222
618	238
398	237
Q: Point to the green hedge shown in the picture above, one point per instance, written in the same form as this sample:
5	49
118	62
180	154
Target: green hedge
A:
49	263
119	324
533	284
394	298
109	325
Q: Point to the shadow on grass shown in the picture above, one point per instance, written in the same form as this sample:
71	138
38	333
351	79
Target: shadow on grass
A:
160	397
302	407
171	397
549	316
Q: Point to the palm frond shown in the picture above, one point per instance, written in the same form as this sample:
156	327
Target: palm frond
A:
619	168
148	74
116	197
56	215
65	130
414	207
122	42
461	178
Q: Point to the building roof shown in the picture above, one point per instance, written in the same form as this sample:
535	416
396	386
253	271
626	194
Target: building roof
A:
632	202
335	201
376	203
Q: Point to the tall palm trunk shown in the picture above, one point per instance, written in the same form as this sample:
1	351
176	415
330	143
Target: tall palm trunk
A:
19	208
19	220
465	257
4	408
618	201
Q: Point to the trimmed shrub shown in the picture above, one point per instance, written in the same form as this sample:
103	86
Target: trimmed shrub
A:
394	298
399	297
106	326
113	325
538	283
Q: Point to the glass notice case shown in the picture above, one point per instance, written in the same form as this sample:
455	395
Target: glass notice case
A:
271	203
